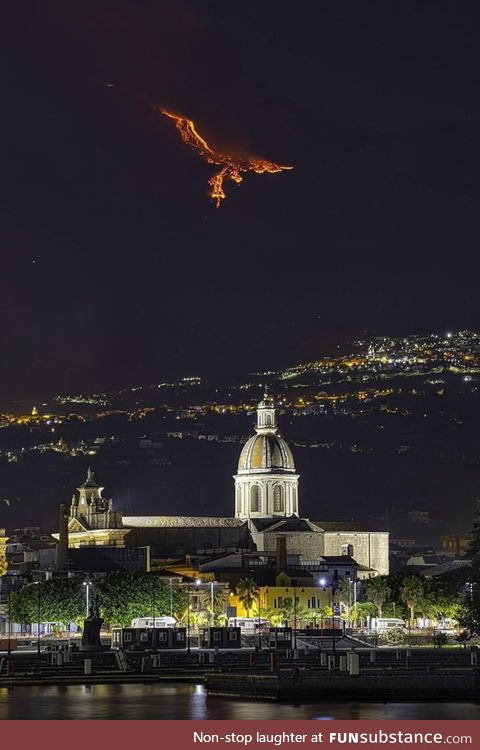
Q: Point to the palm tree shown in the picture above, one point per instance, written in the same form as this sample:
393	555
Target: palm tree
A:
291	611
378	591
343	594
263	613
319	615
362	611
247	593
411	592
197	619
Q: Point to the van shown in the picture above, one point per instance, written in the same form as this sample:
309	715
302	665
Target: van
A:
154	622
382	624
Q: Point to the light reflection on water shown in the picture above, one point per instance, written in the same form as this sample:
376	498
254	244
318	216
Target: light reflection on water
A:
173	701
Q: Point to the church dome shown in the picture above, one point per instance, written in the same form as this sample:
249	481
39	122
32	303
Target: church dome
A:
266	451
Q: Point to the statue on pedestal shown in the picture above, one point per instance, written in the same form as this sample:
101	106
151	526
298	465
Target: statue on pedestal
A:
91	628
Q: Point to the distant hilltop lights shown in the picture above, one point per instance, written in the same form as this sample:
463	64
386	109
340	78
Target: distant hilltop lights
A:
353	382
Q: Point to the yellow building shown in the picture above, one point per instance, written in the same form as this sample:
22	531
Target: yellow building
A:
282	595
3	552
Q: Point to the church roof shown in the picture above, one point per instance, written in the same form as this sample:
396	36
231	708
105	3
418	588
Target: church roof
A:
292	523
266	451
345	526
181	521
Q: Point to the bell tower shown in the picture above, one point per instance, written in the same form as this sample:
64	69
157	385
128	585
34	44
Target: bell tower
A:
93	510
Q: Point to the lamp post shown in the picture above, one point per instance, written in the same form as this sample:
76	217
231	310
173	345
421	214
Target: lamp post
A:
37	583
153	614
323	583
349	604
332	593
87	585
355	597
171	597
9	625
295	618
212	618
259	623
354	587
188	617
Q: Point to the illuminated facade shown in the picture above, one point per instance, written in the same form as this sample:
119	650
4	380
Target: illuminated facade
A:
266	507
3	552
266	485
92	520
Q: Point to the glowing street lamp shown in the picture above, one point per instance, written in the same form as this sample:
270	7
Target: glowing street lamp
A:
87	585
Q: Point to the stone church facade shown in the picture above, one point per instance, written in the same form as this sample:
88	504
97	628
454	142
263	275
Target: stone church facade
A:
266	507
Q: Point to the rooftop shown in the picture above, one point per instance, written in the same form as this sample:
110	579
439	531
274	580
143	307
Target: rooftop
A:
181	521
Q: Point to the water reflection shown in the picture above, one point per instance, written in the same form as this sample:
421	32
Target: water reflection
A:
190	702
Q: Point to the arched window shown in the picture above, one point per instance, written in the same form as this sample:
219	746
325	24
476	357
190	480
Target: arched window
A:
278	499
255	499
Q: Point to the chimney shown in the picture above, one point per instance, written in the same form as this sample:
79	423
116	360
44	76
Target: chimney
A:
62	545
281	560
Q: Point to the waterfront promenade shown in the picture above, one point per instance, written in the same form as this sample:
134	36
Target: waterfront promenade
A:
384	674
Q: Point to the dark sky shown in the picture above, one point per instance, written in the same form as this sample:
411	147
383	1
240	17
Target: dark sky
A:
117	268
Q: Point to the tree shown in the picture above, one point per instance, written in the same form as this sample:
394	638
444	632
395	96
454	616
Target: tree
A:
318	616
412	590
125	596
474	546
197	619
290	612
469	615
264	613
343	594
247	593
59	600
219	598
445	607
362	611
378	590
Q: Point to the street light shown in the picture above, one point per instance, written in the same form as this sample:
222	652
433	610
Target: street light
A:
259	623
188	616
9	624
171	598
295	617
37	584
87	585
354	586
153	612
212	617
331	593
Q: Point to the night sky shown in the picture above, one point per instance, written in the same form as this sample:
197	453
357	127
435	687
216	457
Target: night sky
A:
117	267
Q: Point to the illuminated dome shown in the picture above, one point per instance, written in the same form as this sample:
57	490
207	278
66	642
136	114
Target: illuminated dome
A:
266	485
266	452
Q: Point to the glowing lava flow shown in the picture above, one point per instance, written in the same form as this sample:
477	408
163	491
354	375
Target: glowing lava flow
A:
232	167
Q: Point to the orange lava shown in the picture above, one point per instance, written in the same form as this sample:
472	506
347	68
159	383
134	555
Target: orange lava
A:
231	167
